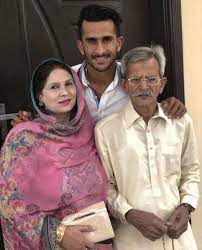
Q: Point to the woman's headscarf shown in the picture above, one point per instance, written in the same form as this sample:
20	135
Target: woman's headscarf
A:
77	120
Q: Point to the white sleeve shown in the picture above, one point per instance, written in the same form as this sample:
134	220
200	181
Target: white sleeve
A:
190	178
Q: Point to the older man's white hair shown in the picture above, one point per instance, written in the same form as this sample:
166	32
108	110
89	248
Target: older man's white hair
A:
143	54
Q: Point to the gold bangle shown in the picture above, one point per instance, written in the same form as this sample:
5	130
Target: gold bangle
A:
60	232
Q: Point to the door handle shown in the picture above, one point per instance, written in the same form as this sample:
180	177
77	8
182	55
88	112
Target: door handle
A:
3	121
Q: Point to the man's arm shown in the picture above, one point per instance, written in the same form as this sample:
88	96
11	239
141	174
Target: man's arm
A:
22	116
172	107
188	188
117	203
190	177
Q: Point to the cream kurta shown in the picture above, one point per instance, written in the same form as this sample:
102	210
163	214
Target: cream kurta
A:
150	167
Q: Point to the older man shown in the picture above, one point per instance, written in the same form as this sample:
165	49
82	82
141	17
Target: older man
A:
150	160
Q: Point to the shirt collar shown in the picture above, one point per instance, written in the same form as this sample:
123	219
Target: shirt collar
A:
82	75
131	115
85	82
160	113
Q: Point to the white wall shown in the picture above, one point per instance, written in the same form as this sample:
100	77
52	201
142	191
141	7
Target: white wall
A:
192	53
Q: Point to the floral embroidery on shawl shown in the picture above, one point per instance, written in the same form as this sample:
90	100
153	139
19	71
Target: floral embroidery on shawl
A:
18	145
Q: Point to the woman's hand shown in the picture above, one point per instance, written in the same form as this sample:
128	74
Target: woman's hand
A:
74	238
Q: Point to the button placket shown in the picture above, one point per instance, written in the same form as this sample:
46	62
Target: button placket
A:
151	162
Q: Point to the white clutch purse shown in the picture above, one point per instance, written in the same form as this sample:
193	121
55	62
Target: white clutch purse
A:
96	216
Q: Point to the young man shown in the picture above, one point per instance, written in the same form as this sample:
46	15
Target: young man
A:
151	161
100	41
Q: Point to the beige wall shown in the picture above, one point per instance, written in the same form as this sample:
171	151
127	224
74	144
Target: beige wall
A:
192	53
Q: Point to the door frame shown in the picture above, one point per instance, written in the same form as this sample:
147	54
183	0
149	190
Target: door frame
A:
167	29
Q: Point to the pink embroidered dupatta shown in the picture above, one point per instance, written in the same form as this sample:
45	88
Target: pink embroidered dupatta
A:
47	169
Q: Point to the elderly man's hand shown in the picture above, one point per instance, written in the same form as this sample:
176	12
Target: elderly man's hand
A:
173	107
178	222
150	225
22	116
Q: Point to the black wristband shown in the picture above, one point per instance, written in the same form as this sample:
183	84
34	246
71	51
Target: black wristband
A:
188	207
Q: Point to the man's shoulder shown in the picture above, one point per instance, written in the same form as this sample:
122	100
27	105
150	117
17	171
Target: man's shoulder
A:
110	122
184	120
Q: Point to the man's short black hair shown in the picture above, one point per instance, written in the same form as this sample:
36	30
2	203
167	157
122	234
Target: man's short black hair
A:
96	13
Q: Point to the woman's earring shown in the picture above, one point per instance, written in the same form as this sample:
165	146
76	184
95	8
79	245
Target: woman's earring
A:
40	103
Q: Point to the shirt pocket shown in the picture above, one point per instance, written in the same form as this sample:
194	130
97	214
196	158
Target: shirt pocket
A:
171	159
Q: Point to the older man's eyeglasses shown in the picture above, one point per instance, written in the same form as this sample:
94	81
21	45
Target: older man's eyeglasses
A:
150	80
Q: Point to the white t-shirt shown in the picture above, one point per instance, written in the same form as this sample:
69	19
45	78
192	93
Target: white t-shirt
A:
112	100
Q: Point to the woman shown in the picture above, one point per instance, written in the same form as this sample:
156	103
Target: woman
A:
49	166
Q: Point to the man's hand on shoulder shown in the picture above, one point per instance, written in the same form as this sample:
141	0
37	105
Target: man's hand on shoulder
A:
150	225
22	116
173	107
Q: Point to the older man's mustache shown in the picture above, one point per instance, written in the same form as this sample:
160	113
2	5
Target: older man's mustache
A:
148	93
